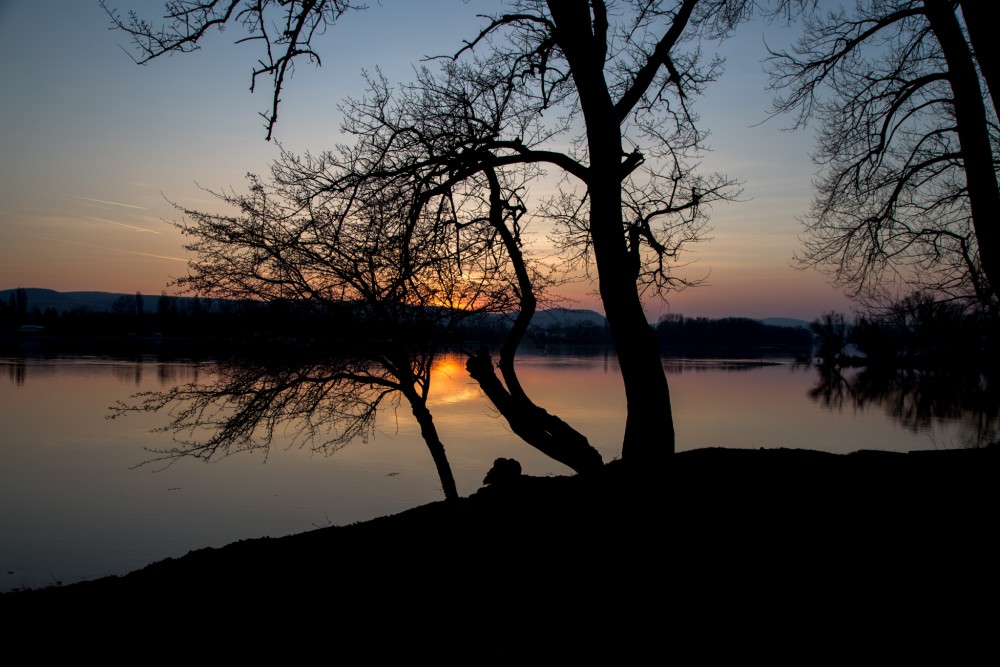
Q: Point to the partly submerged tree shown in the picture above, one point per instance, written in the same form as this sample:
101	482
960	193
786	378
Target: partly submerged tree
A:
385	257
906	92
602	93
535	425
329	401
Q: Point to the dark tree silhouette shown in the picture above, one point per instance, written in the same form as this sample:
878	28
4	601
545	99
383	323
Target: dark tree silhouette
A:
630	79
285	28
390	254
19	301
624	79
545	431
908	193
833	334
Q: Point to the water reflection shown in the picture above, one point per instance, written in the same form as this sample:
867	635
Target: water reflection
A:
73	504
16	371
21	370
917	399
678	366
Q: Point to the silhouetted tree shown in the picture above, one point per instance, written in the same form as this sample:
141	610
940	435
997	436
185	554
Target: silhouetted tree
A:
123	305
20	299
285	27
833	333
623	77
922	330
535	425
388	252
329	401
906	91
166	309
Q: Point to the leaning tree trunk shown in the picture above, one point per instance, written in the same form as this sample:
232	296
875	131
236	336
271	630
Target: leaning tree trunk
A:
543	431
533	424
430	435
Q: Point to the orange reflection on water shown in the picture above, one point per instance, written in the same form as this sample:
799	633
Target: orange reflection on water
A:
450	382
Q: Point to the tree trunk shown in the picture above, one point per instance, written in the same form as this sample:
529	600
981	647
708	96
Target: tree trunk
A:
543	431
546	432
973	135
433	442
649	428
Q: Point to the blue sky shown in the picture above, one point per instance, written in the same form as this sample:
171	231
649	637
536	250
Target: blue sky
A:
93	146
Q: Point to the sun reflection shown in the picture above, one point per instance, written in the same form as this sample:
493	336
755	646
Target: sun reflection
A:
450	382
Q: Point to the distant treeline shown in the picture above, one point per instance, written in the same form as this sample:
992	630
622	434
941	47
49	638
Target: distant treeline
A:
700	332
192	318
917	331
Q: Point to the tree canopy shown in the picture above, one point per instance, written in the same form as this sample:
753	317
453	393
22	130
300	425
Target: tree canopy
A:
601	94
907	197
390	254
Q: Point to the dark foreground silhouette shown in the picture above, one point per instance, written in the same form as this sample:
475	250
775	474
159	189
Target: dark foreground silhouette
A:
749	552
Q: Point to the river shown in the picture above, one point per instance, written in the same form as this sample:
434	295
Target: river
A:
76	501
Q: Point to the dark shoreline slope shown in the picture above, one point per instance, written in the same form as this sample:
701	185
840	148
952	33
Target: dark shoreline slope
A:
720	533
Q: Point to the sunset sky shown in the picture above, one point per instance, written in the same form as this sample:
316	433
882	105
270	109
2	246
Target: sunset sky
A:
93	147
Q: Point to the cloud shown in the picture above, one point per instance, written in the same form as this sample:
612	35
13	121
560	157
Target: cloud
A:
113	203
122	224
118	250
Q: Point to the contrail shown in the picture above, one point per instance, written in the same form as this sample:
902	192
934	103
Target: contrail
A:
113	203
121	250
122	224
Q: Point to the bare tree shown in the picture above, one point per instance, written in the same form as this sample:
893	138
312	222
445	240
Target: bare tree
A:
908	193
630	77
624	80
284	28
545	431
390	254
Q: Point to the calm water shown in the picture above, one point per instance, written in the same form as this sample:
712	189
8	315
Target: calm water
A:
75	504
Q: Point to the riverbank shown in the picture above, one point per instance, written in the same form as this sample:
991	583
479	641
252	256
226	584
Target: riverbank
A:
574	565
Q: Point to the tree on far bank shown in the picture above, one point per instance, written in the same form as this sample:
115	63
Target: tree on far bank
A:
833	334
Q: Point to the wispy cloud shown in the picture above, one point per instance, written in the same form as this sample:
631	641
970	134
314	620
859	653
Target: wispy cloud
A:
113	203
110	249
122	224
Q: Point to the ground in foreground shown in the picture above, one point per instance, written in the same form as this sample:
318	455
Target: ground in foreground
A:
614	564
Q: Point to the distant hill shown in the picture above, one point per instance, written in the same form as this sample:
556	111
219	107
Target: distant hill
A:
554	318
102	302
62	302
